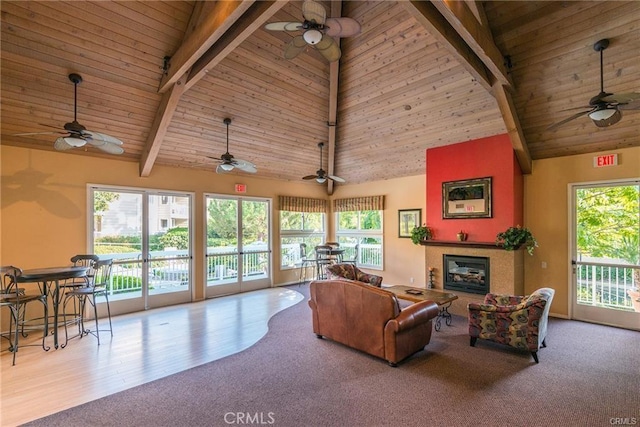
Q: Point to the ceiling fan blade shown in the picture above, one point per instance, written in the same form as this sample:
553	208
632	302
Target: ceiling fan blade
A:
633	105
342	27
295	46
621	98
314	12
568	119
283	26
244	165
335	178
61	145
310	177
110	148
329	48
40	133
97	138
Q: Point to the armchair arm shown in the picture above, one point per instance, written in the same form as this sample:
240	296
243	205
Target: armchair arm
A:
413	315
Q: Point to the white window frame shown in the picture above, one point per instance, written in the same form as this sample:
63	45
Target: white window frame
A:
300	234
360	234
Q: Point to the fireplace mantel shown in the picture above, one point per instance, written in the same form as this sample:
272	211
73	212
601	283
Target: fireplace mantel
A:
460	244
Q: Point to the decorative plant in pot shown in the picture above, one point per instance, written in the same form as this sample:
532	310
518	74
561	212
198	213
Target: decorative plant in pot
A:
514	237
420	234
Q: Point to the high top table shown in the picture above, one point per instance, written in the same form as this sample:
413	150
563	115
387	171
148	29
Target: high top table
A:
443	299
49	278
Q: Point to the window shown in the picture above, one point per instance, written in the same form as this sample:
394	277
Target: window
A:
364	228
164	224
297	228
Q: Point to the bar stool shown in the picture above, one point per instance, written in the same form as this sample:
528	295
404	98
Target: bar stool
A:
16	299
305	262
97	286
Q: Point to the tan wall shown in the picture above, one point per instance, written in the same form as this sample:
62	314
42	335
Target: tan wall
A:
546	213
44	207
43	215
402	259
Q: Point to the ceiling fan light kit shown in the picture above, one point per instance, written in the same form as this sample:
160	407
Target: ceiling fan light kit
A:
321	176
318	32
606	117
229	162
312	36
604	107
73	141
78	135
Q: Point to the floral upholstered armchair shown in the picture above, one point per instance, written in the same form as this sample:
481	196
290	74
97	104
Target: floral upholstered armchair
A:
518	321
349	271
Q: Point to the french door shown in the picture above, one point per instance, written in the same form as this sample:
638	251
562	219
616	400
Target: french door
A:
148	234
606	252
238	244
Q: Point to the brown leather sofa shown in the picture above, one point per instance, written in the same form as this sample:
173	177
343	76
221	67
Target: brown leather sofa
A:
369	319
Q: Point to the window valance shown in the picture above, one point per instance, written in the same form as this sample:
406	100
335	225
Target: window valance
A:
370	203
301	204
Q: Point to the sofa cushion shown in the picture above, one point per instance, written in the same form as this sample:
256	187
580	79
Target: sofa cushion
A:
351	272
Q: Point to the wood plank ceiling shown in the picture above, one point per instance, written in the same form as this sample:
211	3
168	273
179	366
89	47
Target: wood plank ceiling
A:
420	75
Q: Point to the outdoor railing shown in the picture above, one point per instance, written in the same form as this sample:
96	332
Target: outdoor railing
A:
172	268
605	285
369	255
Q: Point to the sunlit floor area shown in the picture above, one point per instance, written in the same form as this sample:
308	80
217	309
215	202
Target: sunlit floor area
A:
145	346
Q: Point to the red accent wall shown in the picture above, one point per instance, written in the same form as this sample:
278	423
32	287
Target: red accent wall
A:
492	156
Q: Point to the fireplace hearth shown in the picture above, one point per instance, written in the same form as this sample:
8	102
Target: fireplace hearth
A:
466	274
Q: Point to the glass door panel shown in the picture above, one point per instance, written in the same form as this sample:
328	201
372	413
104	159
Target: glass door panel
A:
169	256
238	254
606	253
256	253
148	237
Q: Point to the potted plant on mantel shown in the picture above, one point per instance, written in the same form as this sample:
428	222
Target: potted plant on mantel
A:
420	233
514	237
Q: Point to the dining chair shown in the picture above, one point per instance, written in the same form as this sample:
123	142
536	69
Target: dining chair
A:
17	300
96	287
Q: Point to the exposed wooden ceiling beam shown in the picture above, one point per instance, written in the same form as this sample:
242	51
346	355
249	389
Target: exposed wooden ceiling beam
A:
204	17
456	27
427	15
477	37
511	121
334	73
160	125
255	17
220	18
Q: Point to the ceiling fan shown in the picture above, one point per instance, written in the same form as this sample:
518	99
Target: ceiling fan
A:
318	31
229	162
321	176
77	135
604	108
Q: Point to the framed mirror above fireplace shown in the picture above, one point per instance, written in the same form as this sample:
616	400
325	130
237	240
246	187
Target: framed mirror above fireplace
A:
467	199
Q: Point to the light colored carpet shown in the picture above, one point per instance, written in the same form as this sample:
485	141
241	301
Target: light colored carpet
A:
588	375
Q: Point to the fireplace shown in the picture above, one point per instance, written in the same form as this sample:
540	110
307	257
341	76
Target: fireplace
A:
466	273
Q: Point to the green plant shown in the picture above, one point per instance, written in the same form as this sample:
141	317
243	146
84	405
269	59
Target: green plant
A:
514	237
420	233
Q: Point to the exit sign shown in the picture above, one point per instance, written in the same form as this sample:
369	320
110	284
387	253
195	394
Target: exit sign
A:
605	160
241	188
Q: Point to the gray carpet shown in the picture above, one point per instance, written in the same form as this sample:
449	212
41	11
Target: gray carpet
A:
589	375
